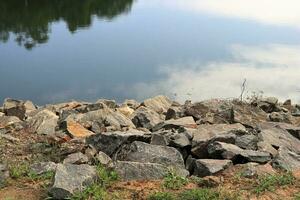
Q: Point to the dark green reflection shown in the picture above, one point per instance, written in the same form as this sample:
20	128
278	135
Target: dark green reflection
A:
30	20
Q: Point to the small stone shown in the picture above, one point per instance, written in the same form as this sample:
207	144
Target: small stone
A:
207	167
76	158
43	167
104	159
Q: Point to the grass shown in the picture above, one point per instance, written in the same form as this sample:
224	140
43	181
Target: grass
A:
271	182
297	196
19	170
173	181
97	191
194	194
22	170
161	196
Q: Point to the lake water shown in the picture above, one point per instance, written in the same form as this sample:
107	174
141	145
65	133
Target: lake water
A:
56	50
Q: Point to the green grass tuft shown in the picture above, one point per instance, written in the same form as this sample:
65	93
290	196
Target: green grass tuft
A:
161	196
173	181
271	182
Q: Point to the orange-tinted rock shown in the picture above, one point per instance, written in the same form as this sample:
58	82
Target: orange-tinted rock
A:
77	130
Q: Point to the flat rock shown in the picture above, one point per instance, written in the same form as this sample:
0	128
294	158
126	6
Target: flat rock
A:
110	142
247	141
206	134
76	158
131	103
43	167
215	111
44	122
187	122
175	112
103	117
287	160
146	118
76	130
129	170
6	121
207	167
126	110
147	153
71	178
232	152
159	104
292	129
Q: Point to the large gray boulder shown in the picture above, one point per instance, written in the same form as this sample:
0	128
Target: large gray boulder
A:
147	153
110	142
207	167
159	104
232	152
129	170
247	141
186	122
206	134
274	137
71	178
146	118
44	122
287	160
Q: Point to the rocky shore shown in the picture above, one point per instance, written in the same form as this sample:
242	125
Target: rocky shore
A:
145	141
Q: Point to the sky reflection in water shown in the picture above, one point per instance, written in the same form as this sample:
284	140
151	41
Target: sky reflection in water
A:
185	49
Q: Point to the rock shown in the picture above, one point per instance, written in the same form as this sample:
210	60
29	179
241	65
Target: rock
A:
180	140
187	122
131	103
44	122
4	175
1	114
293	130
110	142
43	167
109	103
14	107
145	118
210	181
126	110
247	114
280	117
159	104
75	129
158	139
29	107
71	178
103	118
89	107
128	170
6	121
205	134
76	158
276	137
232	152
254	169
207	167
287	160
147	153
211	111
247	141
104	159
8	137
175	112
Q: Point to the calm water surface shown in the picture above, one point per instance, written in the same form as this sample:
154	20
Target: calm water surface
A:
56	50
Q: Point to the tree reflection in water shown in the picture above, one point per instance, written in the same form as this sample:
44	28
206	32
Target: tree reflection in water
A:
30	20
